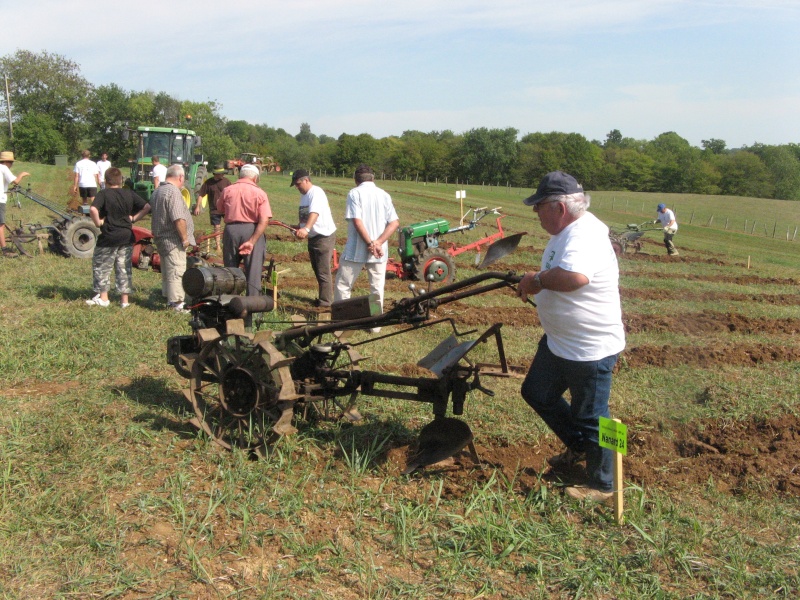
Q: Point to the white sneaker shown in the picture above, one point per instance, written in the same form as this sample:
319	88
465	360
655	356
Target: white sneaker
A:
98	301
179	307
124	304
375	330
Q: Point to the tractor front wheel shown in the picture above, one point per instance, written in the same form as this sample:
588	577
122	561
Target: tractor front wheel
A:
435	265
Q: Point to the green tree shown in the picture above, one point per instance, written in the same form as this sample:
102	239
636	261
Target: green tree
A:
37	138
107	118
487	155
48	84
784	165
352	150
613	139
743	173
714	146
305	136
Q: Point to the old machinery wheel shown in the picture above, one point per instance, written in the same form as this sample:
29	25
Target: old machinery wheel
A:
435	265
233	393
619	249
79	238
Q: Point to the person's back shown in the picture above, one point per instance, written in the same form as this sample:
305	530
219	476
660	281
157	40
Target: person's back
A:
116	206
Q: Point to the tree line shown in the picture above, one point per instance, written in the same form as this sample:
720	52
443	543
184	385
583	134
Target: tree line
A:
55	110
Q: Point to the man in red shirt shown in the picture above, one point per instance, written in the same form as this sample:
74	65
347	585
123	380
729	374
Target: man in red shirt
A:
245	208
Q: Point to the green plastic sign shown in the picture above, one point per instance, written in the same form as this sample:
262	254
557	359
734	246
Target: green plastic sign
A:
613	435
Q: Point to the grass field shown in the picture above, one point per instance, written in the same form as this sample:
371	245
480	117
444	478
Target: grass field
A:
107	491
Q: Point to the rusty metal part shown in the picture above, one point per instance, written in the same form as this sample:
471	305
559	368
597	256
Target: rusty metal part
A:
239	395
440	439
246	389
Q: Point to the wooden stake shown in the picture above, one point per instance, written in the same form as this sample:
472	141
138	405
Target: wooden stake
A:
748	262
618	486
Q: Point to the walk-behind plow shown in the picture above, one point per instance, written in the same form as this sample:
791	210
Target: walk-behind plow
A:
247	389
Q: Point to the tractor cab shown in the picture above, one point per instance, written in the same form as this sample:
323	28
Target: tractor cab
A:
172	146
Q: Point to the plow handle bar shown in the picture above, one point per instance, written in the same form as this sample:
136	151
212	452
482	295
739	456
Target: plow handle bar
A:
40	200
409	310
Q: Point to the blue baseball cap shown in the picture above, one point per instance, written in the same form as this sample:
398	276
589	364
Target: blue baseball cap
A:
556	183
661	207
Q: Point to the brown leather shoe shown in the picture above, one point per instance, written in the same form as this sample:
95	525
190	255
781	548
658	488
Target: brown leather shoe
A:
590	494
567	459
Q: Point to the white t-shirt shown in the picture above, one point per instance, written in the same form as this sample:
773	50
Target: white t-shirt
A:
374	207
316	201
8	177
102	166
586	324
159	171
668	217
86	170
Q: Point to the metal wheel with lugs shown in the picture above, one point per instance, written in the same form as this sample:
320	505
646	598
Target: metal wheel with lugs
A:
435	265
234	394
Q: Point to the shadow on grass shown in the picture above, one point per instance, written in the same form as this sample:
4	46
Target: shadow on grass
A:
146	298
153	394
371	439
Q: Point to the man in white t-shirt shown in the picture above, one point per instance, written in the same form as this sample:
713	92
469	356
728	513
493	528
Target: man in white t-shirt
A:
6	162
667	219
315	223
371	221
103	164
577	296
87	178
159	172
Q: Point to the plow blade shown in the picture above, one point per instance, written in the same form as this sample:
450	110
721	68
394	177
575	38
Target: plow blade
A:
500	249
440	439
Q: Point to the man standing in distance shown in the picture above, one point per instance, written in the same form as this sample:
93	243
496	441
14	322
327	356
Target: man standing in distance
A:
87	178
173	231
159	172
371	221
577	296
102	165
213	187
6	162
667	219
315	223
246	210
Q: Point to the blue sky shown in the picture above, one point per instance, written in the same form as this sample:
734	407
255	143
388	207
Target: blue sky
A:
723	69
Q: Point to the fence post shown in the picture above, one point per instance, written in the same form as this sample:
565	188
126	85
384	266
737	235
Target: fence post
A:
691	219
711	220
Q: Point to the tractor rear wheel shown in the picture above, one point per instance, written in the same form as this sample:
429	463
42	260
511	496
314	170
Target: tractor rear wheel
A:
199	179
79	238
435	265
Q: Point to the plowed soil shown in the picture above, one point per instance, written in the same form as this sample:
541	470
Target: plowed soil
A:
759	454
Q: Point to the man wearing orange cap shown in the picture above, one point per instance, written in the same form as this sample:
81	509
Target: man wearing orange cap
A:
6	160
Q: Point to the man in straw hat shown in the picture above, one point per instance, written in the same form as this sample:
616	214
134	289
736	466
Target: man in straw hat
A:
212	187
6	160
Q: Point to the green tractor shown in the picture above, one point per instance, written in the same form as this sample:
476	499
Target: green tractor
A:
173	146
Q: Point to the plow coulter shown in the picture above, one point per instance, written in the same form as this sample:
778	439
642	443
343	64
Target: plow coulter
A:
248	389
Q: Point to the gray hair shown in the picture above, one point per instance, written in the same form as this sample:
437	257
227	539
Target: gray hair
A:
249	171
175	171
576	204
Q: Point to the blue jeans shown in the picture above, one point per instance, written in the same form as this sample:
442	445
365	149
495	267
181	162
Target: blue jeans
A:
575	422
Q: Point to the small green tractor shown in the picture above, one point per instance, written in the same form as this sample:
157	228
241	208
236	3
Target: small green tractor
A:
426	256
172	145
